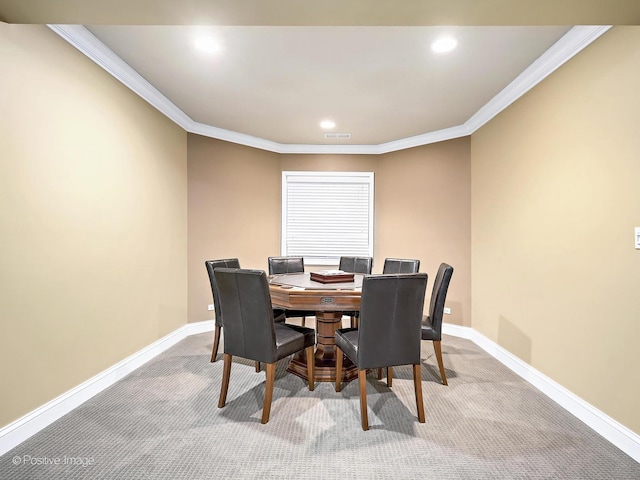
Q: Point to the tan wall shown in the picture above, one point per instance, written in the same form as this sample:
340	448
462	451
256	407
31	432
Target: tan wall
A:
329	163
92	220
554	204
234	211
422	209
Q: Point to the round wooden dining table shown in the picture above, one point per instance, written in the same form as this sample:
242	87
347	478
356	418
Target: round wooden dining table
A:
296	291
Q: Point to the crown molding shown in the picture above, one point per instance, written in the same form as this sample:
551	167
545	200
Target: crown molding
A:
343	149
425	139
574	41
87	43
233	137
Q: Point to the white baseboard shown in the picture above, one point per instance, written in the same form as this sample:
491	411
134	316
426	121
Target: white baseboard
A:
23	428
614	432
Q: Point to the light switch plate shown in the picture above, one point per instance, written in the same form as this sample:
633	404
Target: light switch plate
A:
637	232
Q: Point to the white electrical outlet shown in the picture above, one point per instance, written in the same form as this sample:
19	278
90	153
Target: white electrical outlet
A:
210	307
637	235
447	310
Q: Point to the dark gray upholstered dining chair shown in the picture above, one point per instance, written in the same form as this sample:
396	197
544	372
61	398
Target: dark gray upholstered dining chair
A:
355	265
280	265
432	323
389	333
400	265
251	333
278	314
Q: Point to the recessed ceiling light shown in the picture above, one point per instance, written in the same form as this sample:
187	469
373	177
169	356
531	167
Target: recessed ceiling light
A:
207	44
444	44
327	124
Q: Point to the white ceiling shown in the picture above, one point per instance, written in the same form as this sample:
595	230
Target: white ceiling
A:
380	84
270	86
287	64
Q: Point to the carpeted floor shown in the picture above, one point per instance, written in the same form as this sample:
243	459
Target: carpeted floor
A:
162	421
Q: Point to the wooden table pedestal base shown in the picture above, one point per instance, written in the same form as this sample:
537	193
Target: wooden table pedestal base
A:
325	357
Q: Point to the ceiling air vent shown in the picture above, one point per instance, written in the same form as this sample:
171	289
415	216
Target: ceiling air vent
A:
337	136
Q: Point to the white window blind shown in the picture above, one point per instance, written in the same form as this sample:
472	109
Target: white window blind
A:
326	215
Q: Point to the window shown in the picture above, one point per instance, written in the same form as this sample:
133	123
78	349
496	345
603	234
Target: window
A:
326	215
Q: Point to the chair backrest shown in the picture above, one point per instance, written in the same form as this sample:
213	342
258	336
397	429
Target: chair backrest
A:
211	266
247	313
356	264
439	295
390	320
400	265
278	265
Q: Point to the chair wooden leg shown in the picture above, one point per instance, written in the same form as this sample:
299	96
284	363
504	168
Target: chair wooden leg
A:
216	343
339	356
417	384
438	350
389	376
362	381
310	368
304	321
226	373
380	374
268	393
257	367
352	321
357	322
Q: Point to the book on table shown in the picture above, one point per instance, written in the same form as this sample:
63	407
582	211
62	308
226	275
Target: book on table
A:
332	276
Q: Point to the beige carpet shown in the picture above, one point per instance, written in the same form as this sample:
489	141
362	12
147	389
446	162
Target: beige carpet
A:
162	421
